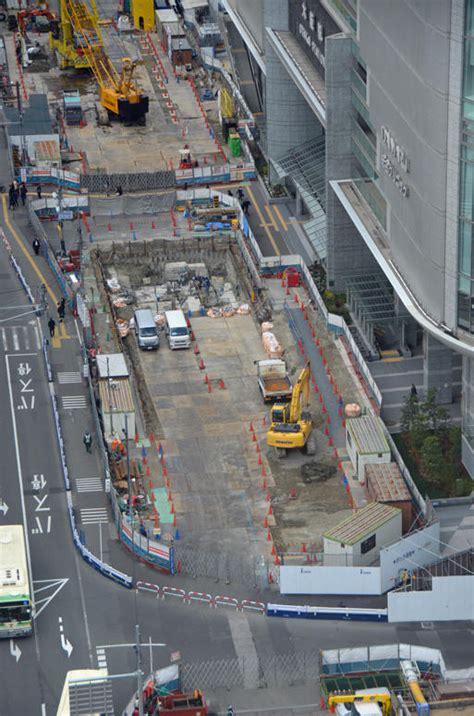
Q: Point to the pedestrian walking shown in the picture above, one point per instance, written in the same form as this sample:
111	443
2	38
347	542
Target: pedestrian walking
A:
52	326
11	194
15	198
38	191
229	192
36	246
23	193
246	206
61	308
87	440
240	194
413	391
230	711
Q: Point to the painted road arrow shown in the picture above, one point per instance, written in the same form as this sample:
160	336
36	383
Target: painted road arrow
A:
15	650
3	507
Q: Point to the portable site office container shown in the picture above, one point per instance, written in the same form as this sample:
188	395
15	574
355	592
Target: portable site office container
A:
357	540
385	483
366	443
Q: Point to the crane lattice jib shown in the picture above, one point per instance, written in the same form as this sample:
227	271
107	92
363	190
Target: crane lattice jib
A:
88	33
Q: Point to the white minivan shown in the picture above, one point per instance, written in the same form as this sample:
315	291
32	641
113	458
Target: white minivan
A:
177	330
145	330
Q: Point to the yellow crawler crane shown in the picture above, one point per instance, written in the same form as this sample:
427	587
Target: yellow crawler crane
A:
291	426
78	40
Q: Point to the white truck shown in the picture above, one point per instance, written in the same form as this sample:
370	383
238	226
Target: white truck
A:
273	379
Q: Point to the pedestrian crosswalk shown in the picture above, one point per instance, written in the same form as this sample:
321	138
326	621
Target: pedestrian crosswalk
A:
69	377
20	338
101	658
94	515
73	402
89	484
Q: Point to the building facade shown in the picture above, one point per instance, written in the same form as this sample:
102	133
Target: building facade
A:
387	88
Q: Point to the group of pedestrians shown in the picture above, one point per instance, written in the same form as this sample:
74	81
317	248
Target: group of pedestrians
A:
16	192
244	203
61	309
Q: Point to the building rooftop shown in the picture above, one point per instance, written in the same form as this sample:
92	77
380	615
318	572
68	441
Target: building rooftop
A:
362	523
367	433
116	396
116	368
387	483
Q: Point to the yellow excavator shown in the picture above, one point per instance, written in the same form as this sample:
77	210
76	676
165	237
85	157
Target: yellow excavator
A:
78	39
365	702
291	426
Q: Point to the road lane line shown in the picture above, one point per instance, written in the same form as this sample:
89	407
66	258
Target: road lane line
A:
282	220
32	263
272	218
262	219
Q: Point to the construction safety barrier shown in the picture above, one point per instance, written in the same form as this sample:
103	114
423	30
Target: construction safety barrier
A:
148	587
173	592
221	601
50	175
200	597
142	181
289	611
249	605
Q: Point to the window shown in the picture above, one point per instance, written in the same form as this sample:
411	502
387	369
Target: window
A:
368	544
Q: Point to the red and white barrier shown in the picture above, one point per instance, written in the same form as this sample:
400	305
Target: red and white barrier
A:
200	597
221	601
253	606
148	587
173	592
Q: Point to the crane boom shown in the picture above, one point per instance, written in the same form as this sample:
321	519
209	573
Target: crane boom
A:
80	44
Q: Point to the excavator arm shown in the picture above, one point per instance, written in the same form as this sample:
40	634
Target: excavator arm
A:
300	394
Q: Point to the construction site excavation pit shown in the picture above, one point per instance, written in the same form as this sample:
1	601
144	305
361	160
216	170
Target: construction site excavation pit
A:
231	493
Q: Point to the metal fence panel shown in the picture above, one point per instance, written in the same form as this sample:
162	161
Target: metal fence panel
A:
222	567
142	181
211	674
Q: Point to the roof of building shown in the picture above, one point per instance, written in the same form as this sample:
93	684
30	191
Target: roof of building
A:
36	119
193	4
47	150
367	433
116	396
180	43
386	483
112	365
362	523
166	15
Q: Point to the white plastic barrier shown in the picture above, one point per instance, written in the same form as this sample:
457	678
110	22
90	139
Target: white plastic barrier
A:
289	611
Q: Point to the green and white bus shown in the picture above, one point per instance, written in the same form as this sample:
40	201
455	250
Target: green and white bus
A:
16	605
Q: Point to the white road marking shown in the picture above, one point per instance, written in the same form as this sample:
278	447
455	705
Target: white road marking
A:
16	341
65	643
4	339
15	650
18	462
56	584
73	402
26	337
101	658
94	515
69	377
89	484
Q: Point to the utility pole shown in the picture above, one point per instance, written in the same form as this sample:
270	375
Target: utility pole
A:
129	482
139	671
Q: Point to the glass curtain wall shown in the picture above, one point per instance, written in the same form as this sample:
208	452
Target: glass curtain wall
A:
466	208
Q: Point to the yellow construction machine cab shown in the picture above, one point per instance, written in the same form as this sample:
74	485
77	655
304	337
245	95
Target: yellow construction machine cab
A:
364	702
291	427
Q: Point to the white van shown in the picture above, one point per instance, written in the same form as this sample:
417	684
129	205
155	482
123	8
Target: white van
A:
145	330
177	330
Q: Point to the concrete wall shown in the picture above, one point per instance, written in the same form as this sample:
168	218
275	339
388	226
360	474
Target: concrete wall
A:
329	580
450	599
418	549
347	253
406	46
290	121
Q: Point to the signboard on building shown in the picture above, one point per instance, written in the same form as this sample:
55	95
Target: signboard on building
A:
394	160
311	24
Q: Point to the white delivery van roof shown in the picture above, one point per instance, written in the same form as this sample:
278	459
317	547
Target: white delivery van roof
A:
175	319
